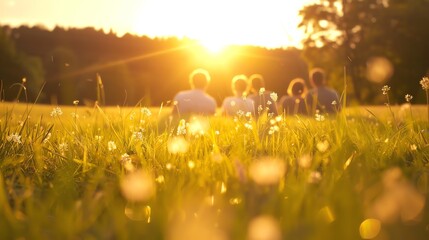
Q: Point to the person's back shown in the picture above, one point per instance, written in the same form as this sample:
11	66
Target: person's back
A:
196	100
238	103
321	97
263	100
295	102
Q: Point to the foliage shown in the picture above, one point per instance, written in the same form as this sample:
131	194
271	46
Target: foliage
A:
350	34
129	64
113	173
14	67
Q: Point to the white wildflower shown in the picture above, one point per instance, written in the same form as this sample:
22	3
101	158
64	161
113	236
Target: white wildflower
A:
273	129
269	102
274	96
319	117
385	89
248	126
63	147
408	97
425	83
261	91
181	129
125	158
75	102
137	136
111	146
14	137
56	112
146	111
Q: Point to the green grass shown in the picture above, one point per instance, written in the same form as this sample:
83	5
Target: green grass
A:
60	180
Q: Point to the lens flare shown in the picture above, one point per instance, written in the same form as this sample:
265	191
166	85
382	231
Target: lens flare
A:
379	69
369	228
137	186
264	227
267	171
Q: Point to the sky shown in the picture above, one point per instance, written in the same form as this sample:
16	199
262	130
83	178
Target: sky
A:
266	23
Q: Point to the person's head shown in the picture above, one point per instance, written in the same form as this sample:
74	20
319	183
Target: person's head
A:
199	79
317	77
239	84
256	82
296	87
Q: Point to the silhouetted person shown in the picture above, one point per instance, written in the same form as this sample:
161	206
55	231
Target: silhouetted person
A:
238	103
294	102
195	100
262	98
321	97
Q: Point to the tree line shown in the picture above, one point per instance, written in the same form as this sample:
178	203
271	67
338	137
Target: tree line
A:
65	63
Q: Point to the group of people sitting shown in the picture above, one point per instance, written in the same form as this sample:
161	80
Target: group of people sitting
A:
250	96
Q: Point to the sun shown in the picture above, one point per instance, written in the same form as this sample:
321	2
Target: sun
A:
213	47
217	24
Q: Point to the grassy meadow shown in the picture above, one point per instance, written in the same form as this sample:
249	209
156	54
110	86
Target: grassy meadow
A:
134	173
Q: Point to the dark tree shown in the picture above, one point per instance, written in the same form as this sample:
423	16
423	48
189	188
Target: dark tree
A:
349	34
